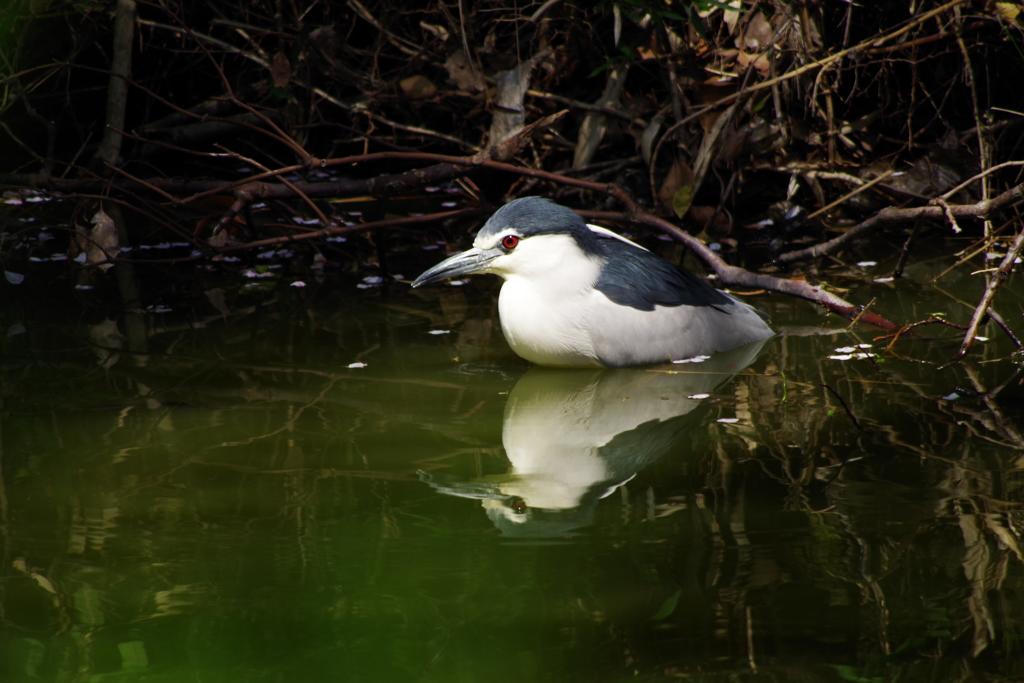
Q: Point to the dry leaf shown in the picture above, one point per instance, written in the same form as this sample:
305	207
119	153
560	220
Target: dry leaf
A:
759	60
510	111
758	34
594	125
733	15
461	72
280	70
700	215
1008	11
99	244
676	191
417	87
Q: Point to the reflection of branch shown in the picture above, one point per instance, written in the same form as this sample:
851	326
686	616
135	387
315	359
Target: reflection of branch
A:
989	399
849	412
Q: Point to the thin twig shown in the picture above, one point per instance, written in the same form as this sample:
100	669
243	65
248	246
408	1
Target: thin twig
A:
995	281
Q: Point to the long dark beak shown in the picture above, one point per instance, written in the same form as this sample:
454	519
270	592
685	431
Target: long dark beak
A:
472	261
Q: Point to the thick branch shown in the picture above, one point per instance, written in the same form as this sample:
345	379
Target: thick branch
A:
117	92
892	215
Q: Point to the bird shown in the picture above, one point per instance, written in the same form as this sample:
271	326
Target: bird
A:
582	296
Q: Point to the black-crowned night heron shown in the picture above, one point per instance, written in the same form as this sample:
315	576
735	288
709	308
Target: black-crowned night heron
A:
577	295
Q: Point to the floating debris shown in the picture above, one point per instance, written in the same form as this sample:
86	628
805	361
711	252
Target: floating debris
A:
249	272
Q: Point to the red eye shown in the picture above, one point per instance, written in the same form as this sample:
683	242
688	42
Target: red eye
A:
509	241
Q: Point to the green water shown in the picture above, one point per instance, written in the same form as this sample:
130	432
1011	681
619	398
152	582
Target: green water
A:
213	494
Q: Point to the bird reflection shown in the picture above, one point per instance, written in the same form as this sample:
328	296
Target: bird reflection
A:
573	437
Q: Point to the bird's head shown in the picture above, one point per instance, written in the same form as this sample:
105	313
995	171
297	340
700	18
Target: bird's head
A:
525	236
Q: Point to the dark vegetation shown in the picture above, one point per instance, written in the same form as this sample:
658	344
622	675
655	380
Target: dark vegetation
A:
787	133
795	138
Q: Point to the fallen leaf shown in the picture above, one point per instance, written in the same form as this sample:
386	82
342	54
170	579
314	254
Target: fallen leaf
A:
462	73
676	191
594	125
757	36
510	109
280	70
732	16
417	87
759	60
99	244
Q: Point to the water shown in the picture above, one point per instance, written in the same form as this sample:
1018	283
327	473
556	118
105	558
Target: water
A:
212	493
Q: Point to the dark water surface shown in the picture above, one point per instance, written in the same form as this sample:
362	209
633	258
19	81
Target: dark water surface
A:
214	494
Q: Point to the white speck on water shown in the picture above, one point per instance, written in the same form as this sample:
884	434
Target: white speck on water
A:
249	272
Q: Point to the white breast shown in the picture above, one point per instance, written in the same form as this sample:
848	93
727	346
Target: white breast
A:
548	283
